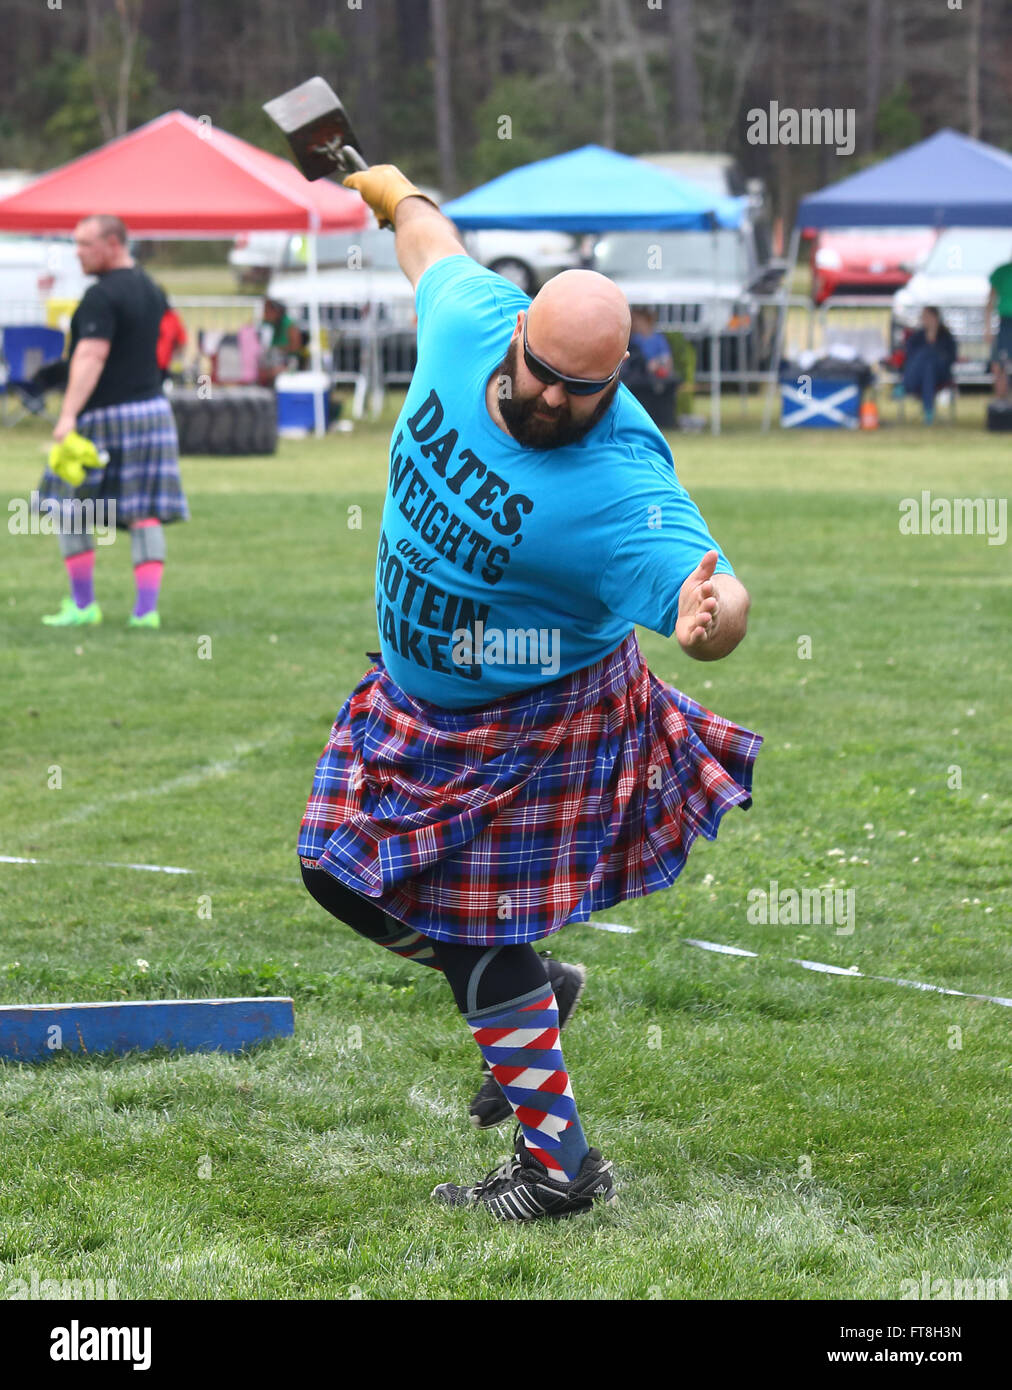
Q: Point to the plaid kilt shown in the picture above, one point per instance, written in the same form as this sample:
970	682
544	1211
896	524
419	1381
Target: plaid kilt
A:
142	474
499	825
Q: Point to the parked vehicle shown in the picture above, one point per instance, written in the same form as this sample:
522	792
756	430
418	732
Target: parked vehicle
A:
33	270
698	282
254	255
356	270
954	280
866	260
528	259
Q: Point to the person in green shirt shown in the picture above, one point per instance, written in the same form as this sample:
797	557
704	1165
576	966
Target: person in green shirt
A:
284	352
1000	300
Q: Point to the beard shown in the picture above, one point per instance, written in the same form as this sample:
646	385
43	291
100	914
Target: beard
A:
551	430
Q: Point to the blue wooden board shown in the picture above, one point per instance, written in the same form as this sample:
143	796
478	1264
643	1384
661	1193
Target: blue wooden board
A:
36	1032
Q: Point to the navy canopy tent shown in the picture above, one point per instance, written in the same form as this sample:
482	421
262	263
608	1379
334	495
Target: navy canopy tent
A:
592	190
947	180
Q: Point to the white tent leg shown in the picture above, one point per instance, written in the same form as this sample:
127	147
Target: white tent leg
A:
315	359
714	369
779	333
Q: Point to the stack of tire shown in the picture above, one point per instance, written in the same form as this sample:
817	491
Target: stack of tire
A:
226	420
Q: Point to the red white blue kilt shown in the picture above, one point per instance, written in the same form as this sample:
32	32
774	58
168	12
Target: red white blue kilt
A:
501	824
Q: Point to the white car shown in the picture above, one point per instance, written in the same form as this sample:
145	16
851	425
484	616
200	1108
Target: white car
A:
955	280
255	254
34	270
527	259
358	275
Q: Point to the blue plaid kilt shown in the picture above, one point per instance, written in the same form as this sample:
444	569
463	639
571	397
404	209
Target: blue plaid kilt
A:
142	475
498	825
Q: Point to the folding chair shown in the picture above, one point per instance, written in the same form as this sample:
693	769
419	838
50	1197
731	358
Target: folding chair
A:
26	348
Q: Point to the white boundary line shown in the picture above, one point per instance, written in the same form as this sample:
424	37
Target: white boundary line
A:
97	864
821	967
853	972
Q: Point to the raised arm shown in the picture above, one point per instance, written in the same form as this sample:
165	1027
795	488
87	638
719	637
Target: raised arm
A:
423	234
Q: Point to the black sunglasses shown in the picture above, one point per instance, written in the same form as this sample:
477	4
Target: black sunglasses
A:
575	385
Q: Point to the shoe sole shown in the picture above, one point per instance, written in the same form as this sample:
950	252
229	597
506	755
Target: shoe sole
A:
610	1201
508	1113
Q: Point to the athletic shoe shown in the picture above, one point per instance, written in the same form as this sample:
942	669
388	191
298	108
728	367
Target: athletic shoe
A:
490	1106
148	620
522	1190
72	616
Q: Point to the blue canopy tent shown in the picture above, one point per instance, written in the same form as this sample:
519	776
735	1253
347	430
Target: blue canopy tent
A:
592	190
597	190
947	180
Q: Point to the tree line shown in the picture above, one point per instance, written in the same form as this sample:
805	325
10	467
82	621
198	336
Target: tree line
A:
457	91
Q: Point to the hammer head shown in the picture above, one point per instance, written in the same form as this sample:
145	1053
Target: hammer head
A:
317	128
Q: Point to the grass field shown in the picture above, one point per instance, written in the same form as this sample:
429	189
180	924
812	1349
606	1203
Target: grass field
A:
776	1133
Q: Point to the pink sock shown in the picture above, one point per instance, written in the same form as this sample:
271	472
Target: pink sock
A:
81	571
149	578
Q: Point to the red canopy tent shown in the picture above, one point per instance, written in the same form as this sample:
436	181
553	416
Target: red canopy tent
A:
179	177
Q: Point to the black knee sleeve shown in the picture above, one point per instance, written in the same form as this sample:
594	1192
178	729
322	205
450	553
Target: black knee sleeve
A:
347	906
481	976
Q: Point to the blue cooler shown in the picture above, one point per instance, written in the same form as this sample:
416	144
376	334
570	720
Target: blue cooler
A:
297	393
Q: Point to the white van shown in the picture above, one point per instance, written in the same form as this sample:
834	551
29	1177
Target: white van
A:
33	270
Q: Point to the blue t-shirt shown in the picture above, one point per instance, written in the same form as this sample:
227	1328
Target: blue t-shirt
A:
502	567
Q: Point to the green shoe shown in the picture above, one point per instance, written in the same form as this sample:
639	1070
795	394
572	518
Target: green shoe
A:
149	620
72	616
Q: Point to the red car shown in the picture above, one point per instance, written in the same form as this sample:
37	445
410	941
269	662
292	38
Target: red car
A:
866	260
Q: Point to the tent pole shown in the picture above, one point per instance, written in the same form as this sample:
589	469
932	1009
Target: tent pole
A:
315	360
714	369
778	336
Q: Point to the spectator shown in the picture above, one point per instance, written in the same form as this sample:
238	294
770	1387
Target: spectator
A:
649	370
931	353
114	397
283	348
171	335
1000	300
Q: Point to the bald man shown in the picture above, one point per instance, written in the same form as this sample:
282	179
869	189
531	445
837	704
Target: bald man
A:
508	764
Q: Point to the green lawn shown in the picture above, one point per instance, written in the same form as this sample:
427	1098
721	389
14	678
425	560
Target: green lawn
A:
776	1133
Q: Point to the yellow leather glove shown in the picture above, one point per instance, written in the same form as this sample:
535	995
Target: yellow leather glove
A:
73	456
383	187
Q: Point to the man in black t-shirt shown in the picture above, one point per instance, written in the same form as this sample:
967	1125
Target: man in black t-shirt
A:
114	397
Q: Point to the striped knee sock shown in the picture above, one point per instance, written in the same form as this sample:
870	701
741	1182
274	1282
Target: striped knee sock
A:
520	1042
81	573
148	577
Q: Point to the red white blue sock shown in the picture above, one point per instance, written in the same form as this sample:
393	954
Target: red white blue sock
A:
81	573
520	1042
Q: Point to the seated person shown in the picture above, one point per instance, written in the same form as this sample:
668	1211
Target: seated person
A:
171	338
649	348
1000	301
931	353
283	345
649	370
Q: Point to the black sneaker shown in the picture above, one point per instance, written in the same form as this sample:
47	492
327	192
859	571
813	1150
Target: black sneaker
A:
490	1106
521	1190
